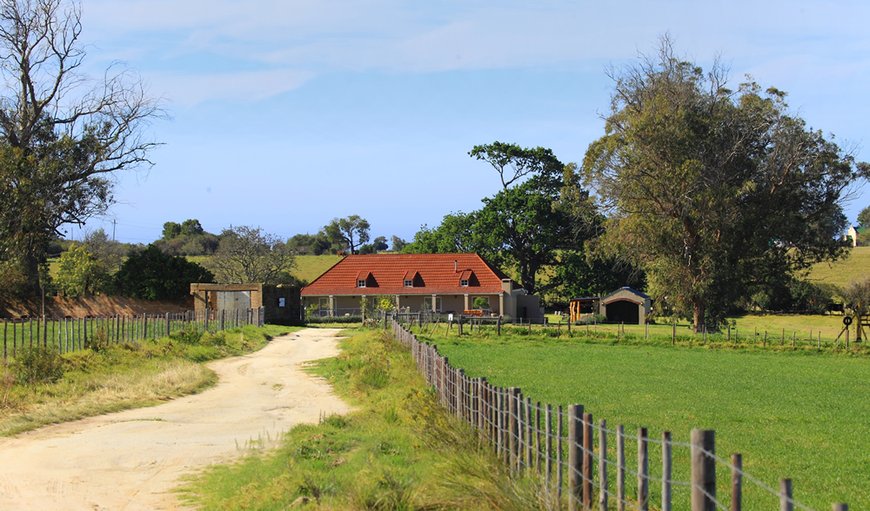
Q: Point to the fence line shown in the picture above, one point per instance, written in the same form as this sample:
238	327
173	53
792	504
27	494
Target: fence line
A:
73	334
731	337
535	438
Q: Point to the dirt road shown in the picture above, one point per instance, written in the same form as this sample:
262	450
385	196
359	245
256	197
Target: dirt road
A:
131	460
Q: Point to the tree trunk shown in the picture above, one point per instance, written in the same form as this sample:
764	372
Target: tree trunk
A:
698	311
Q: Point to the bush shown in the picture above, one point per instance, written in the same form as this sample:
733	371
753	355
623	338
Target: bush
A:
152	275
98	341
38	364
190	334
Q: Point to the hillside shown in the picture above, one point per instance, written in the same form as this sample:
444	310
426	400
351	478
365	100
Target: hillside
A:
842	273
308	267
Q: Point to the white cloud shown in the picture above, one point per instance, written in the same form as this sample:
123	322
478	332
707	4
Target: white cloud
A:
317	36
191	89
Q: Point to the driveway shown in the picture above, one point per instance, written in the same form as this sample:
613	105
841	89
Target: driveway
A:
131	460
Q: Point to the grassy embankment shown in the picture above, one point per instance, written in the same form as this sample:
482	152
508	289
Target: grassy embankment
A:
119	377
842	273
398	450
801	415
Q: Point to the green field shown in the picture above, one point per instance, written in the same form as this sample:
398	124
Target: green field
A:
842	273
776	329
799	415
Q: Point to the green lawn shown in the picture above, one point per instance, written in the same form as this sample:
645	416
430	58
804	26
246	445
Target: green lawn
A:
795	415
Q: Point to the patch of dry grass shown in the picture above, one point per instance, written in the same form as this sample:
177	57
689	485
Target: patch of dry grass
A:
89	394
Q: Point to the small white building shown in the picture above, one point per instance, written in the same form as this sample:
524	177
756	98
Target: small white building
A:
852	236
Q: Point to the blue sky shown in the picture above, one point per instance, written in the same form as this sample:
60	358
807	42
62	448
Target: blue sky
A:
285	114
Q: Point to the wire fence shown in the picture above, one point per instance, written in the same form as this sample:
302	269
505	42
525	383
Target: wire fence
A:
681	335
73	334
587	465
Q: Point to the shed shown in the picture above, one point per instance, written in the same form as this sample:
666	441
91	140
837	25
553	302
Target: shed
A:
280	303
626	305
583	308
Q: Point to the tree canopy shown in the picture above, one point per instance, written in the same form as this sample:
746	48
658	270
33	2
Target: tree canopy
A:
348	233
249	255
151	274
62	135
710	189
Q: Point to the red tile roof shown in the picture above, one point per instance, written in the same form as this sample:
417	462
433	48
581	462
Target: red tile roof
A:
437	274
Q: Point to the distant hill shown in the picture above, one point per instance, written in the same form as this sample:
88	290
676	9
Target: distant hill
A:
842	273
308	267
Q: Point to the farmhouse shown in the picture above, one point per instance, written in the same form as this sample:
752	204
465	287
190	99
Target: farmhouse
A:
625	305
449	283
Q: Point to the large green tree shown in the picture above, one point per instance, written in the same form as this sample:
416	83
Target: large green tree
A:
62	136
540	215
710	189
455	233
349	232
151	274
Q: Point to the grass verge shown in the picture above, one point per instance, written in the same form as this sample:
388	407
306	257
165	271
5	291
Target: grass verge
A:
399	450
121	377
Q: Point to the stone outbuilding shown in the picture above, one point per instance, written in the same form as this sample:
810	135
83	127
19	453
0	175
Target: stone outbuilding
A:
281	304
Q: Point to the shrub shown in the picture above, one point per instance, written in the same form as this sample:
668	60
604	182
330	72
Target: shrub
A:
38	364
98	341
190	334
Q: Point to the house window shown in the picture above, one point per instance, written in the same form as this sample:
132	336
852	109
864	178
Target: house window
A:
463	282
409	283
361	283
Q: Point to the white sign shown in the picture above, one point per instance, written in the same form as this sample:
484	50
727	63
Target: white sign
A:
450	317
282	302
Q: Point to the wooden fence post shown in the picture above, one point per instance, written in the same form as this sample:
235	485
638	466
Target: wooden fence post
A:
602	465
575	462
538	446
559	428
666	471
785	495
840	507
528	433
587	460
168	325
513	427
736	482
642	470
548	425
620	468
703	477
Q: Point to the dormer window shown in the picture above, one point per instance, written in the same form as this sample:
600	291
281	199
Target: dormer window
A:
412	279
467	278
366	279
